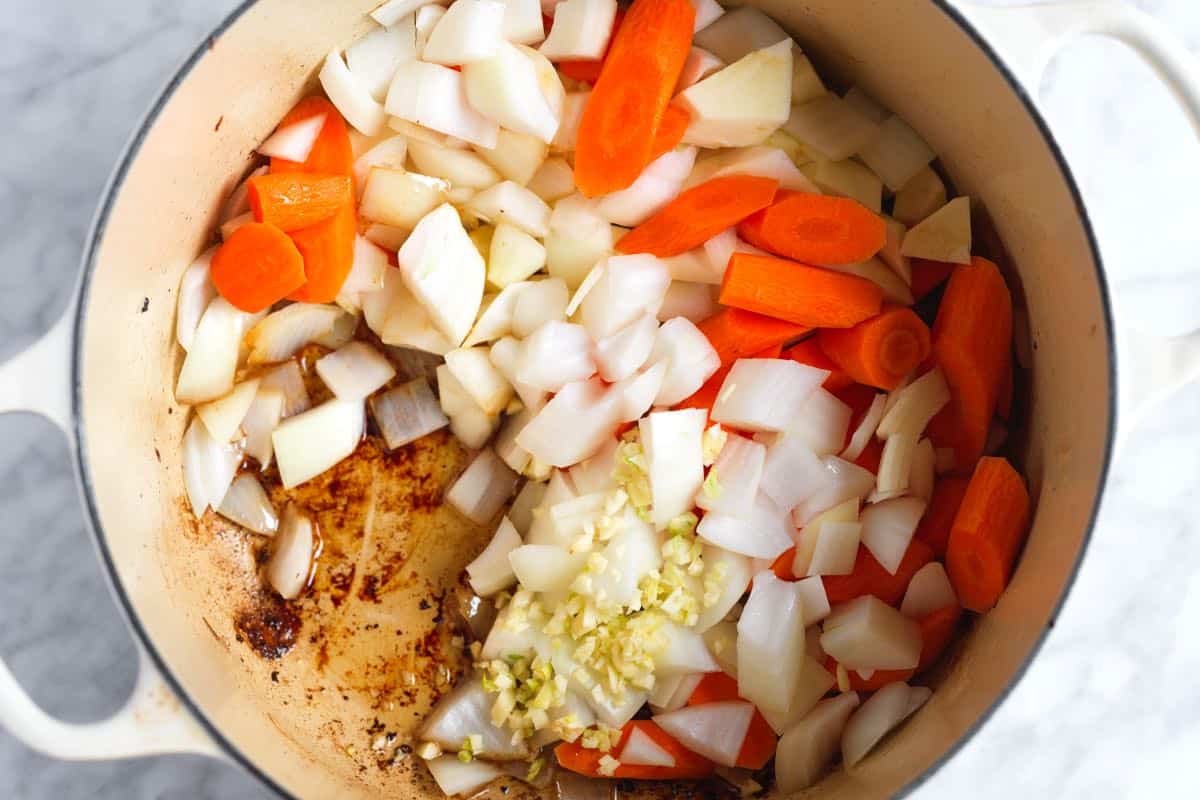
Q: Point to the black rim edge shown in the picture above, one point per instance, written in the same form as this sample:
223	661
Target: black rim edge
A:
95	234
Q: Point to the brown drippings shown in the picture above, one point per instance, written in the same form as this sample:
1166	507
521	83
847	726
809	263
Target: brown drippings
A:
270	626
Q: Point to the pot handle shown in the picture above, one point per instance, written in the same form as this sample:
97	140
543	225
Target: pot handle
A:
152	721
1027	37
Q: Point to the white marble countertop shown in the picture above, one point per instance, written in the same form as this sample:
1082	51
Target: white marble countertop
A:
1110	708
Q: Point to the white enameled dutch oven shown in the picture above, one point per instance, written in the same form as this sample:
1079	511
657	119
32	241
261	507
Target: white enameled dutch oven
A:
304	723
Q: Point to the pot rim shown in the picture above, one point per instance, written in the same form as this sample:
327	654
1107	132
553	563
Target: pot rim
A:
83	474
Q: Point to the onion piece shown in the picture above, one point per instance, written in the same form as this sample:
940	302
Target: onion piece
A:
513	256
388	154
468	421
596	473
636	393
392	11
366	274
888	528
210	364
722	643
760	160
807	748
924	194
545	567
310	443
743	103
406	413
807	541
822	422
467	711
539	303
490	572
694	267
831	127
469	31
814	683
512	203
283	332
351	97
483	382
881	713
523	22
196	293
373	58
762	532
623	353
720	249
208	467
506	446
247	504
736	573
462	778
866	633
866	105
558	353
461	168
433	96
835	549
791	472
259	422
578	238
714	730
694	302
355	371
895	464
483	488
945	235
671	443
403	319
444	271
684	652
424	21
913	406
399	198
865	430
641	750
690	358
572	426
553	180
738	32
568	128
506	356
765	394
581	30
505	87
290	568
671	692
733	480
520	513
771	643
897	153
842	481
293	142
389	237
585	287
921	472
850	179
928	591
288	380
223	417
814	600
656	186
699	65
629	287
891	255
518	156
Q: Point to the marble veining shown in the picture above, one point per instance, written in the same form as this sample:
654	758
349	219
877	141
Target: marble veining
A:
1109	709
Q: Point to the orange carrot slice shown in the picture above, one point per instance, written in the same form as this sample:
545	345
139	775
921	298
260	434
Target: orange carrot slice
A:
760	741
623	113
706	395
699	214
816	229
256	267
879	351
971	342
870	577
331	153
670	131
586	761
928	275
935	525
989	529
735	333
809	352
797	292
328	250
293	200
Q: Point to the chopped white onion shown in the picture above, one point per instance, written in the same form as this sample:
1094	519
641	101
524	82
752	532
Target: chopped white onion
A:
433	96
283	332
866	429
289	381
467	711
913	406
840	482
520	513
699	65
585	287
444	271
506	356
921	473
736	573
814	600
671	443
866	105
658	185
690	358
888	528
762	532
694	267
807	541
867	633
290	568
210	364
579	237
355	370
558	353
760	160
739	32
807	748
546	567
196	293
406	413
928	591
629	287
247	504
831	127
473	369
581	30
399	198
743	103
572	426
518	157
506	446
835	548
373	58
424	21
260	421
389	237
897	153
945	235
223	416
568	128
539	303
310	443
814	683
891	255
895	464
848	179
596	473
469	31
462	778
388	153
208	467
637	392
822	422
876	718
720	249
350	95
468	422
483	488
765	394
791	472
714	730
496	315
523	21
684	652
733	480
392	11
404	321
623	353
490	572
924	194
694	302
514	256
642	750
553	180
771	643
722	643
462	168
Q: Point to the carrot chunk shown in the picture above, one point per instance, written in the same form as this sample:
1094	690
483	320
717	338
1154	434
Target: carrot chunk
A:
586	761
331	153
328	250
989	529
293	200
937	629
809	352
256	267
797	292
626	106
670	131
760	741
735	333
879	351
935	525
816	229
928	275
870	577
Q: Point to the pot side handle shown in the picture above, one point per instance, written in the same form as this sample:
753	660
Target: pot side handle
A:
1150	367
152	721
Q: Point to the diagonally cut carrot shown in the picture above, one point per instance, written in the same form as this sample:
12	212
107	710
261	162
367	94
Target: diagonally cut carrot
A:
989	529
699	214
294	200
625	108
256	267
938	519
870	577
928	275
575	757
798	293
670	131
735	333
816	229
809	352
331	153
328	250
759	744
879	351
